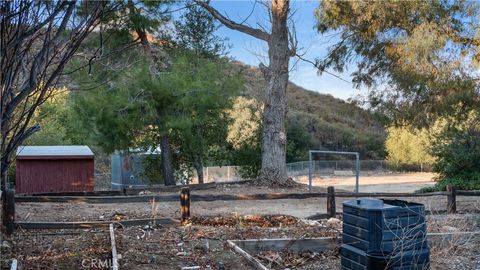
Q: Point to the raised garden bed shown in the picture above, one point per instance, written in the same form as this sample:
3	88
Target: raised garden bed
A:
312	253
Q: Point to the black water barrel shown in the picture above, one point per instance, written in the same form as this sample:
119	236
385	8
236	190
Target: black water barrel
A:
384	233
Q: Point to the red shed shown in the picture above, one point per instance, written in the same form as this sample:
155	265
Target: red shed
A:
54	169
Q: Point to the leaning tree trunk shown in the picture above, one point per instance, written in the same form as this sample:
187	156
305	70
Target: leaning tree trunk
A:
166	154
275	110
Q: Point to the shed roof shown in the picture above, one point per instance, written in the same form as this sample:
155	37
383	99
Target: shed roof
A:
54	151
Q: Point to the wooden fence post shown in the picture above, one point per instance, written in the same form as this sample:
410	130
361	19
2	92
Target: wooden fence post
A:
331	209
451	200
8	213
185	204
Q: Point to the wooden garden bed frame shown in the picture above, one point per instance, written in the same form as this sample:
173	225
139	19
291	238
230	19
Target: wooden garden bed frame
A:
248	248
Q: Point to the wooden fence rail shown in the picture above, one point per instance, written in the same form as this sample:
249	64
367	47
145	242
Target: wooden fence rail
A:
223	197
136	190
186	198
94	224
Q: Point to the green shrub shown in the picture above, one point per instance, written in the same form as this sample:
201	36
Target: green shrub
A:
407	145
456	149
457	152
463	183
249	158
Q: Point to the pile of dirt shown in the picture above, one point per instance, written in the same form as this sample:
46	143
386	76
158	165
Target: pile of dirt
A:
267	182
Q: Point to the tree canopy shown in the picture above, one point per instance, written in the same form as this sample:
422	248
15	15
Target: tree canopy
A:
416	57
419	60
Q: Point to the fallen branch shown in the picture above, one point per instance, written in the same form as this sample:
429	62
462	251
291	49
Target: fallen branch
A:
256	263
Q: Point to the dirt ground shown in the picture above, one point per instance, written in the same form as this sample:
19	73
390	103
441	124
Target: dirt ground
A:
295	207
57	249
298	208
388	182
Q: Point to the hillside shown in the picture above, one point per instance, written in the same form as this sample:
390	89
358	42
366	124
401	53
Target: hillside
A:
330	123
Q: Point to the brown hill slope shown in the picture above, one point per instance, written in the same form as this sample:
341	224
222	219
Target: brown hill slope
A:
325	121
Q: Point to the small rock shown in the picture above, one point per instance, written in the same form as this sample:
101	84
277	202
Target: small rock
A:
204	246
181	253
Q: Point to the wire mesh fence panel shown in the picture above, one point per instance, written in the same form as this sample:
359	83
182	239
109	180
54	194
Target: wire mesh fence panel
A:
343	167
219	174
297	170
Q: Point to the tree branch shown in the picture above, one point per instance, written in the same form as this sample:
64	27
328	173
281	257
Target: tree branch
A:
319	68
254	32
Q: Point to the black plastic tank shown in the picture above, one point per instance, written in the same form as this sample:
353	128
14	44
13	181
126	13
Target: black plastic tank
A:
384	234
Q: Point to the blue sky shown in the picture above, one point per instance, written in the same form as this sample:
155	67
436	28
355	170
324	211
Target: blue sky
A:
252	51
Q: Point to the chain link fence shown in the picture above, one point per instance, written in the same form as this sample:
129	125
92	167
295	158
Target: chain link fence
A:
297	170
219	174
347	167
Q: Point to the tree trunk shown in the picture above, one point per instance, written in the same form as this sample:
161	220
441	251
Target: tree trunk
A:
167	161
4	163
154	68
274	171
3	183
275	110
198	164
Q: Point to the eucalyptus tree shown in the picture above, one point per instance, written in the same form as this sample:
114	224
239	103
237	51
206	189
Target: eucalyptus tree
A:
281	47
420	60
417	58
